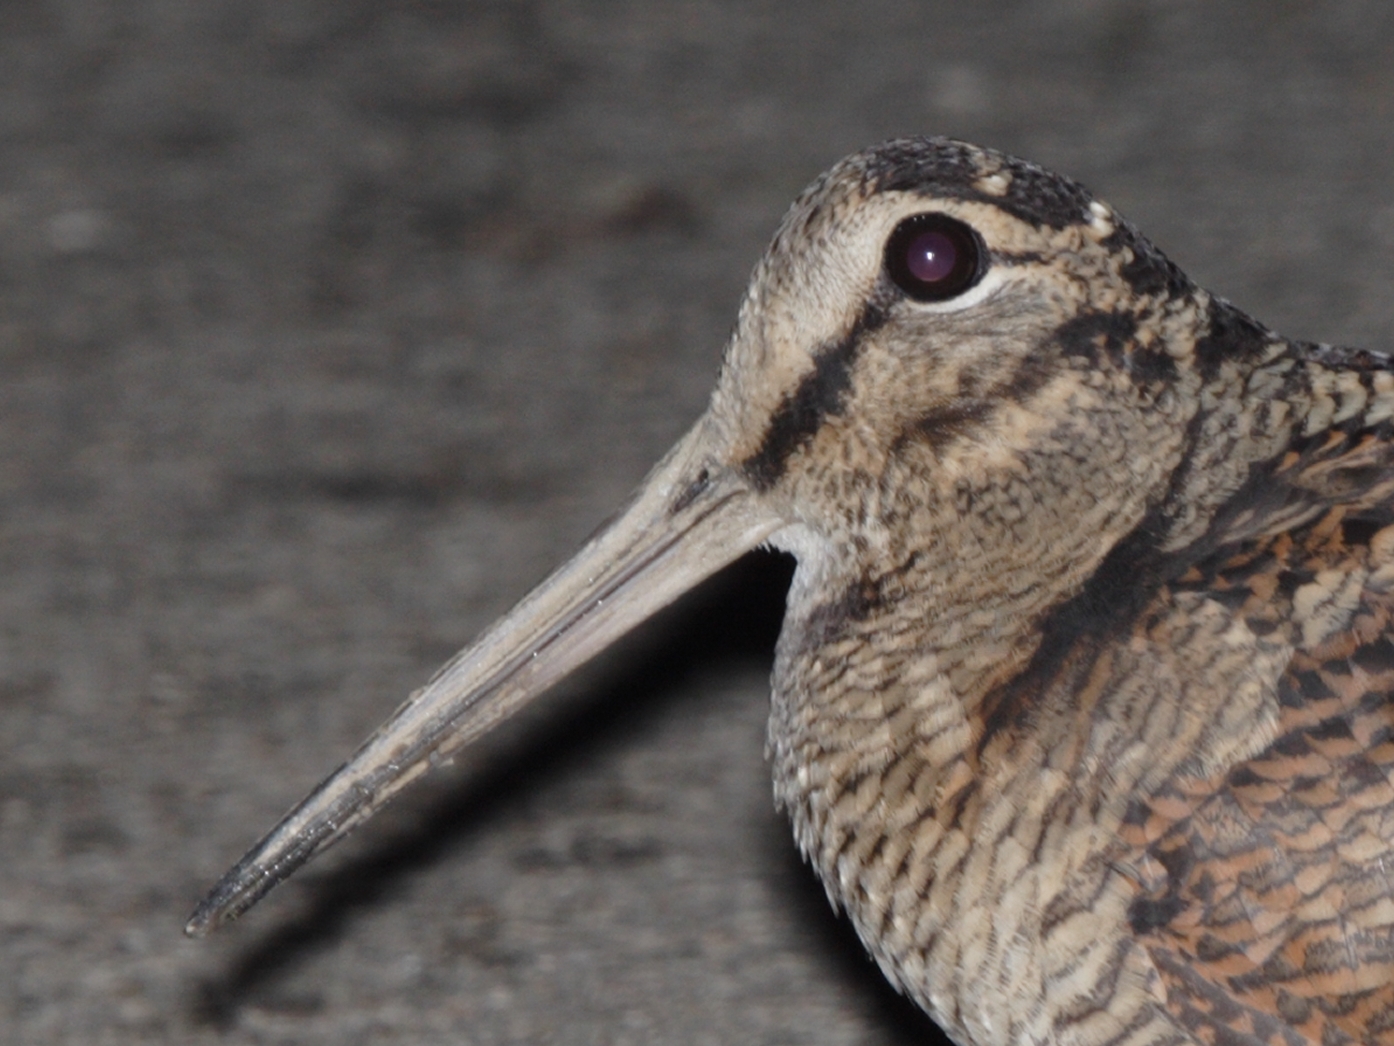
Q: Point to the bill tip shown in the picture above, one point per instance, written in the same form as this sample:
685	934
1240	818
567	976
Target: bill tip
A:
205	920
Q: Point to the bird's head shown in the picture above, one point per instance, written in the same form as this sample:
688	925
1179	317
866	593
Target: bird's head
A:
941	337
938	335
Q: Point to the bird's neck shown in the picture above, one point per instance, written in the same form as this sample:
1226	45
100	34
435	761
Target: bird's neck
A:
902	656
946	585
880	657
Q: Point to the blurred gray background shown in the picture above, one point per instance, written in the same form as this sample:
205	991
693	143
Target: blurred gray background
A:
327	326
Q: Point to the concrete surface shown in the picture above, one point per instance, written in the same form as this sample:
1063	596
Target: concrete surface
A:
327	326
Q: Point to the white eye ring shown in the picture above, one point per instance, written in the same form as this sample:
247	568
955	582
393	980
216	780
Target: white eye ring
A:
990	283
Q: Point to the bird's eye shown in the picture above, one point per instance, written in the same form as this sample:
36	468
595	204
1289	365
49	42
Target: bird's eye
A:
933	257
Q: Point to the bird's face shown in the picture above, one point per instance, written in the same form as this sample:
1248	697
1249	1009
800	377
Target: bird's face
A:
940	345
933	356
873	312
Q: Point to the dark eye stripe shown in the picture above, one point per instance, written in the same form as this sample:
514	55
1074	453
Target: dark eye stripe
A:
932	257
821	394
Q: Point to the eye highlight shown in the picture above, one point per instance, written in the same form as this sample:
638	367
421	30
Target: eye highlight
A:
933	257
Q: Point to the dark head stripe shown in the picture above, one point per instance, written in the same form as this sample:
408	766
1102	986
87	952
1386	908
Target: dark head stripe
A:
821	394
1232	335
947	168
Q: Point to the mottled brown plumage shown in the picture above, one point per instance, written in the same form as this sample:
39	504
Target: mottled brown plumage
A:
1082	704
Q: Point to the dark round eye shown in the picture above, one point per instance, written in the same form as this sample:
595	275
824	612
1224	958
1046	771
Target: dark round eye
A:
933	257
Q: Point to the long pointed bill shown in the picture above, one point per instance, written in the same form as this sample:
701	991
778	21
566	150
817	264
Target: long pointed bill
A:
688	521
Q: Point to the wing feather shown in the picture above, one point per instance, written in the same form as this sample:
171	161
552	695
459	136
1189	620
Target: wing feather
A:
1268	890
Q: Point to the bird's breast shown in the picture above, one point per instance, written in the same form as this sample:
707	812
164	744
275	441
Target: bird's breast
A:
962	792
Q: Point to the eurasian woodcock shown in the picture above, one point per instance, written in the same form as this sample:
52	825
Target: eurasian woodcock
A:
1082	706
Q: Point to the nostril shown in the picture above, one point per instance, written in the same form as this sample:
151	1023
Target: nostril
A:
691	492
